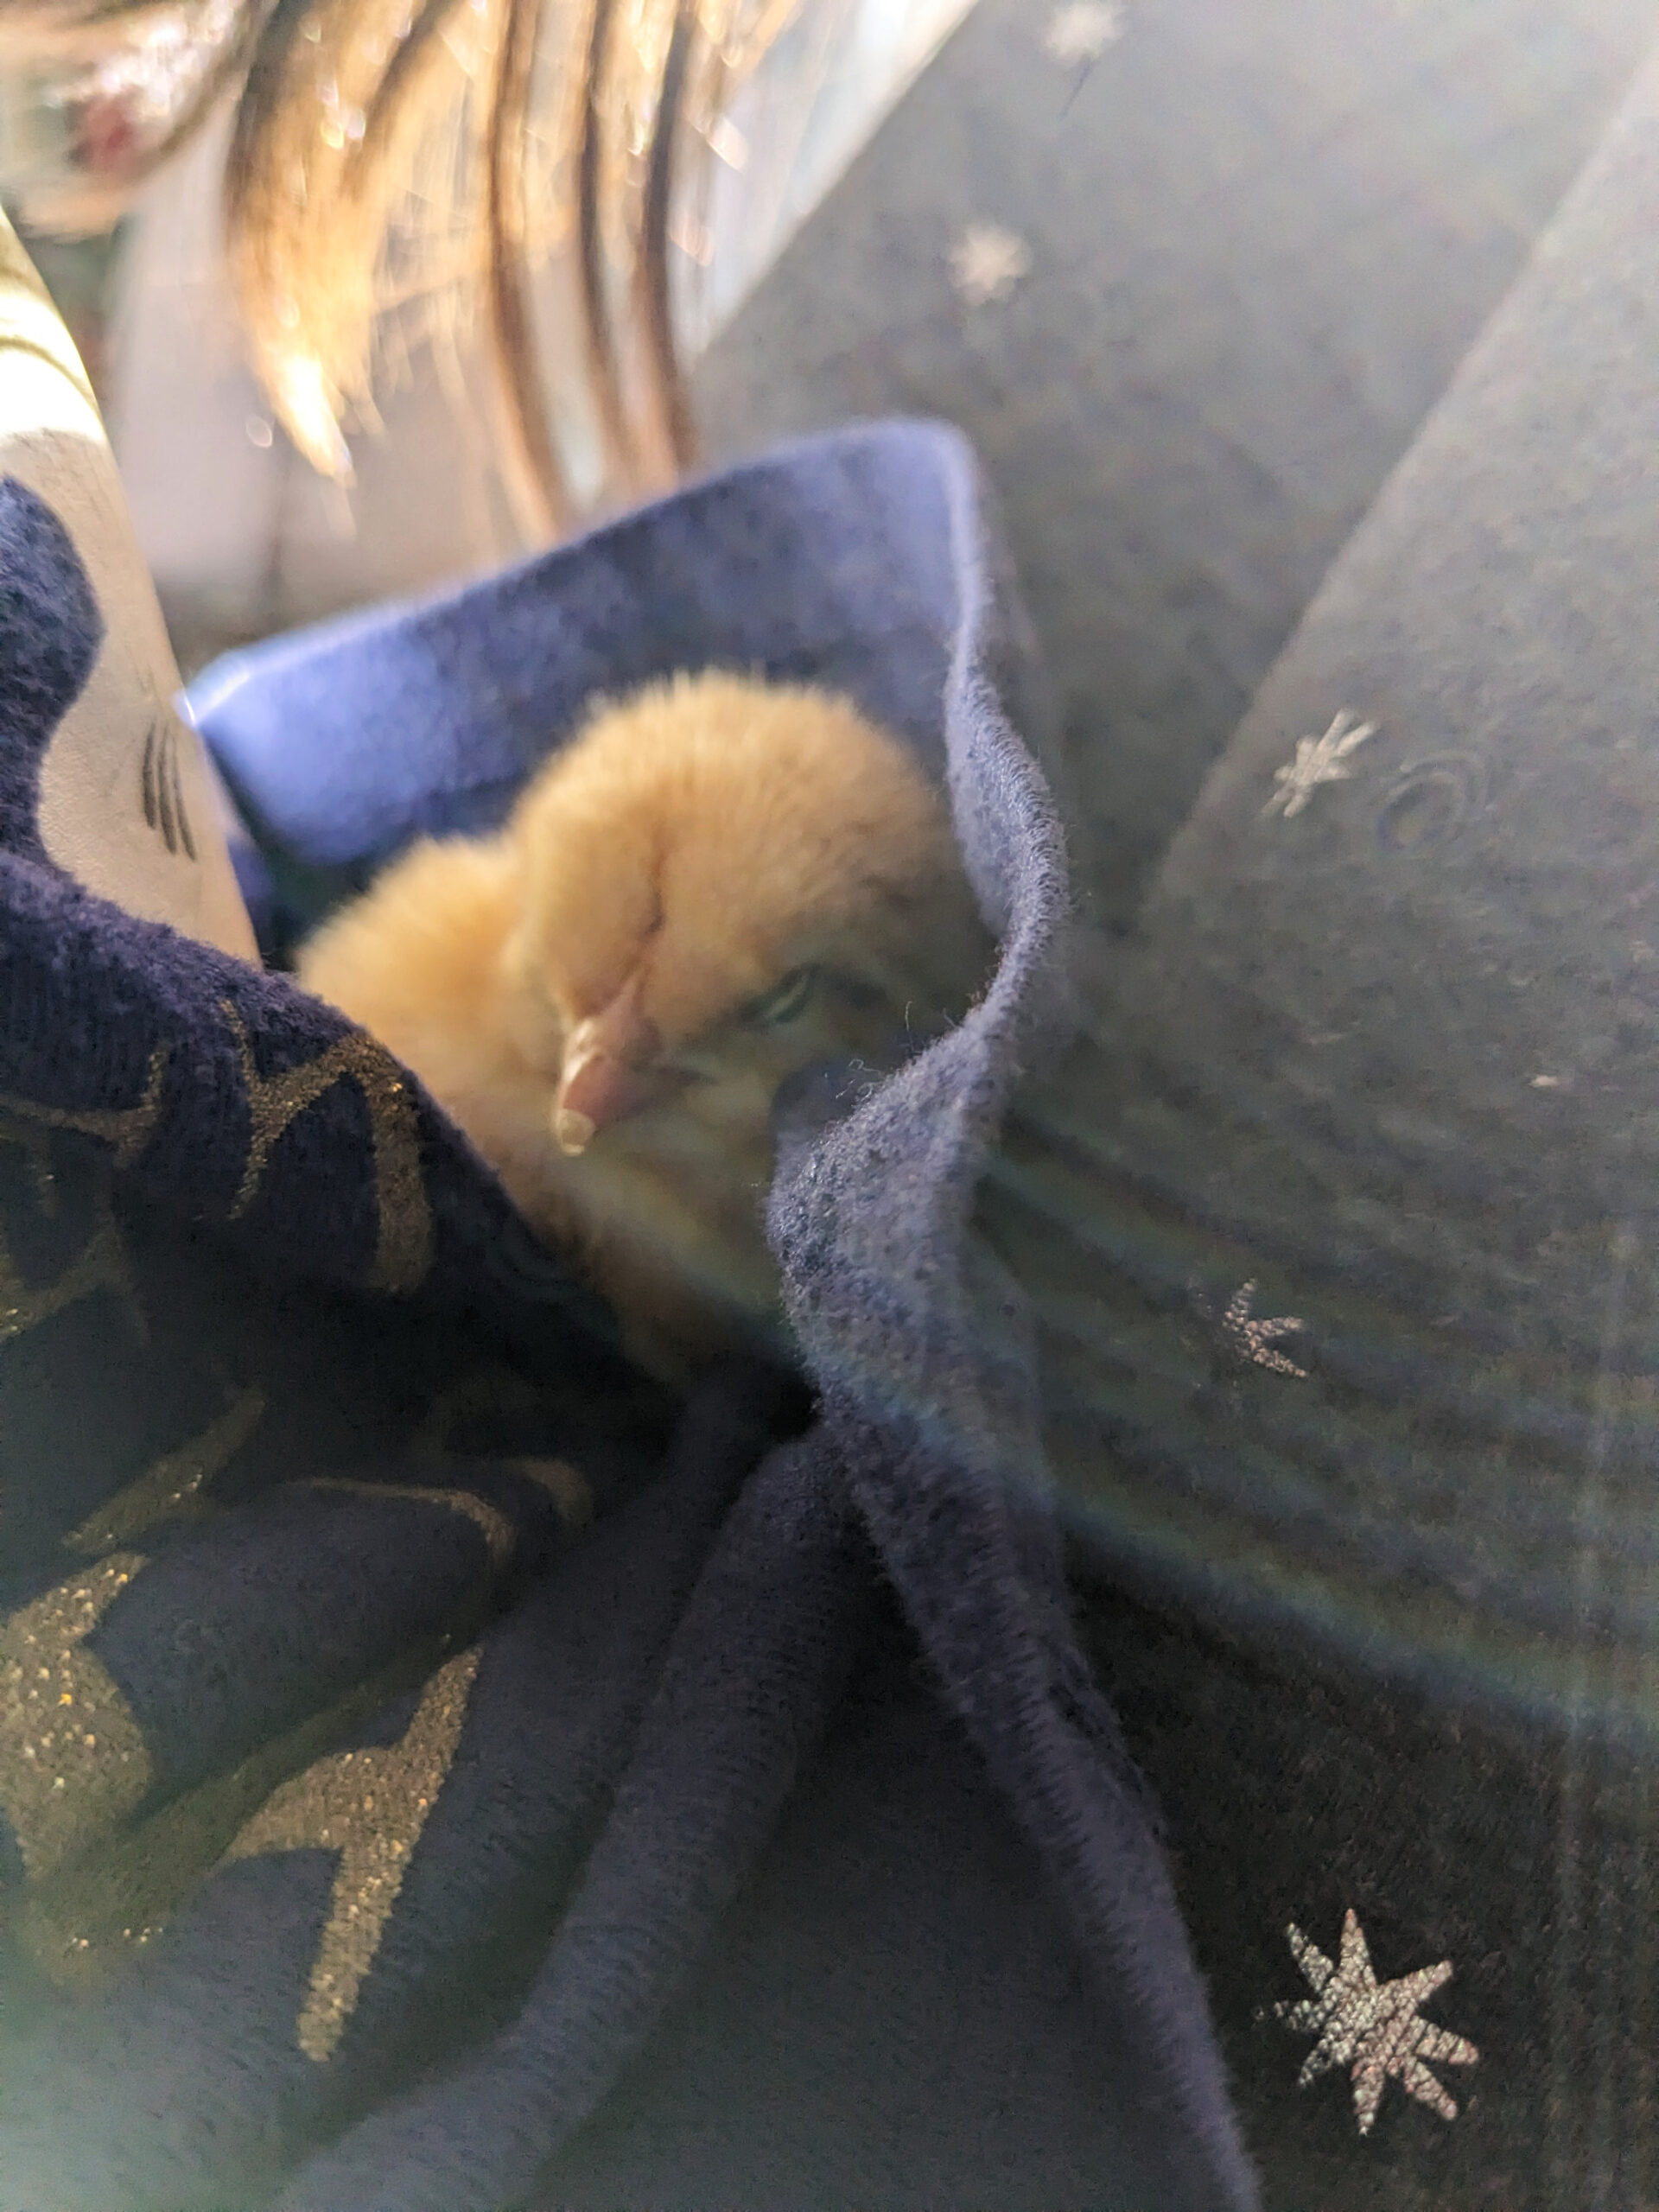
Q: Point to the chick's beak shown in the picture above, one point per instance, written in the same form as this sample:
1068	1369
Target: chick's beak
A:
608	1072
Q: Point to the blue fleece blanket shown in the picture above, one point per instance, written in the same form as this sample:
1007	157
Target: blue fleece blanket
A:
360	1817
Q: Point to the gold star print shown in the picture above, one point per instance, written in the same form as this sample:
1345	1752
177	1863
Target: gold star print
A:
569	1488
127	1130
1372	2027
100	1264
404	1248
170	1488
1252	1342
500	1537
370	1806
72	1761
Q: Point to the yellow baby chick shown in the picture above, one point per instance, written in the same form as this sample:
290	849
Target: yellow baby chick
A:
715	886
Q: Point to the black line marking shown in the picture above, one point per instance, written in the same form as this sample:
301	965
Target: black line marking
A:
185	837
164	791
151	814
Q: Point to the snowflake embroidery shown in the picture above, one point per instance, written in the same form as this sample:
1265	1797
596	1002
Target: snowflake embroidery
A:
1081	32
1319	760
1371	2027
986	262
1252	1342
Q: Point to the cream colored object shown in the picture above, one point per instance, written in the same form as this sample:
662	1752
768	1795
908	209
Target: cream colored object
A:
127	804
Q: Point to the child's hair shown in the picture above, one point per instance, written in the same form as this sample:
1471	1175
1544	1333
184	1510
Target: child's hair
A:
395	168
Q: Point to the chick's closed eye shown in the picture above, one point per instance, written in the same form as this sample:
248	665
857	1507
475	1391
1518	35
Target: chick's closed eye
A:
715	885
789	1000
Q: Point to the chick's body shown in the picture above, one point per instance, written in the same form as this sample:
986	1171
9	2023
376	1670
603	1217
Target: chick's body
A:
718	883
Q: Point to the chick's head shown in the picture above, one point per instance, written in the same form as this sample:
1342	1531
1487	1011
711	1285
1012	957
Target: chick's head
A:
725	882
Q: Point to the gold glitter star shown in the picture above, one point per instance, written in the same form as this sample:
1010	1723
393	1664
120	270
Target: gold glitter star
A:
986	262
101	1264
74	1763
127	1129
171	1488
370	1808
403	1251
1372	2027
1252	1341
1319	760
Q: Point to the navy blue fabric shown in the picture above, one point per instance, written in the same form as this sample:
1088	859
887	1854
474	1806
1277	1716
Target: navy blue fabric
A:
894	2014
277	1609
105	1014
441	734
204	2031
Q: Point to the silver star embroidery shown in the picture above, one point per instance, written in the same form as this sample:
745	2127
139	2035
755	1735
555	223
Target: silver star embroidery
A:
1252	1341
1372	2027
986	262
1319	760
1082	32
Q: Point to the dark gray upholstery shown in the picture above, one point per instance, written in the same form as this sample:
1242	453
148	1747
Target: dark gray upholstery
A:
1260	235
1352	1361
